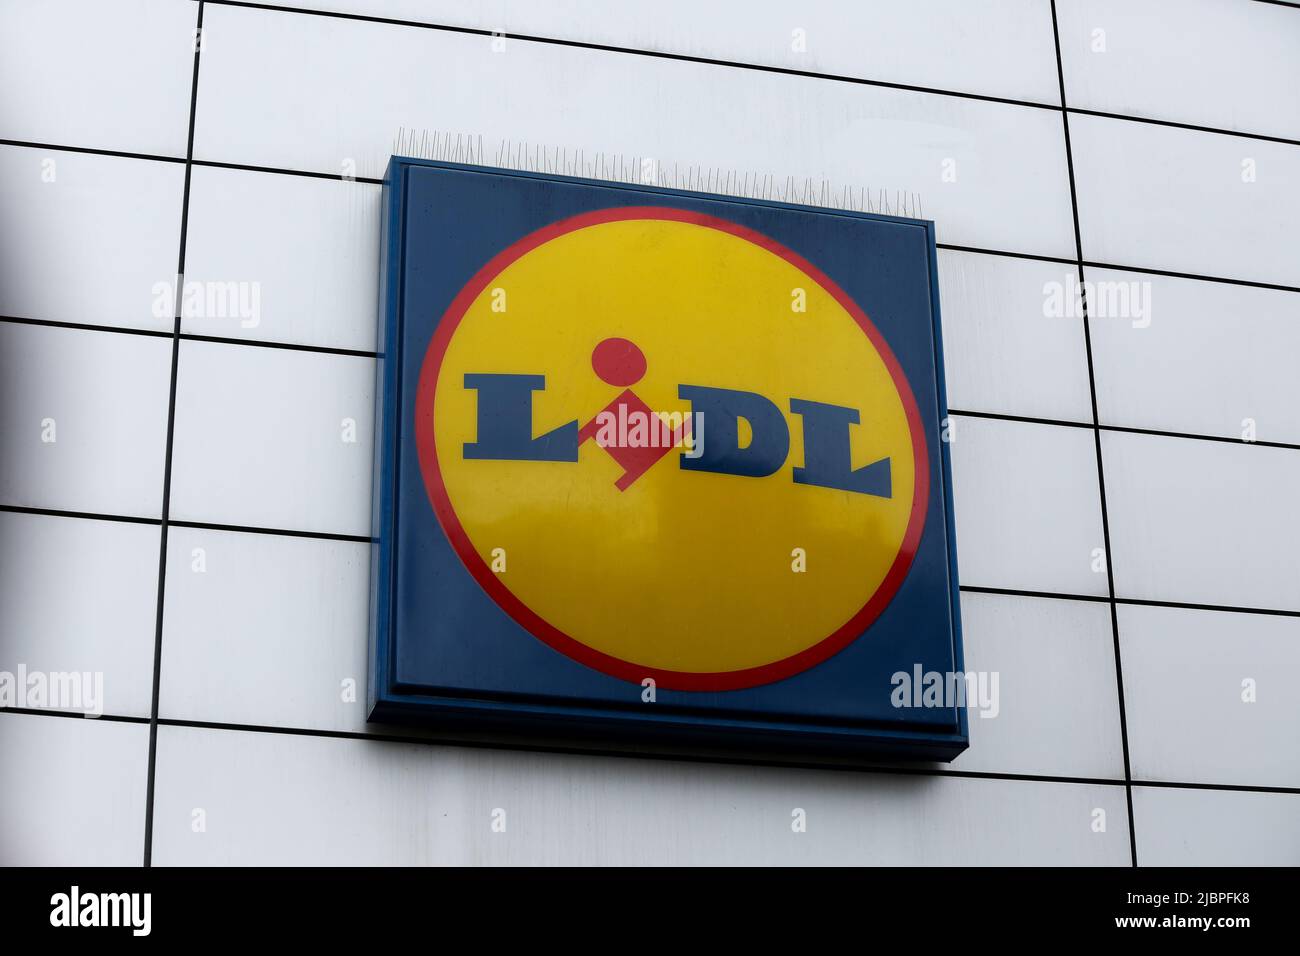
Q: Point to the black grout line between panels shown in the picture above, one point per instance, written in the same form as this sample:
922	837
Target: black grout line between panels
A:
190	336
363	539
362	353
732	64
167	458
1101	471
1123	429
432	740
951	247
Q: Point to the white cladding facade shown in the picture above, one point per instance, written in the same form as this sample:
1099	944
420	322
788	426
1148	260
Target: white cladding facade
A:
1128	562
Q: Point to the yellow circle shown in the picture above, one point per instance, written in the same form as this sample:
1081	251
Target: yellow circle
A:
683	571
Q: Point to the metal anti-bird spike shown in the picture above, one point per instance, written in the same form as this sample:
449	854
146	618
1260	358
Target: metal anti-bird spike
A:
537	157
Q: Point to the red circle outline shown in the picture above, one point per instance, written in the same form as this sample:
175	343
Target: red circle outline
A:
532	622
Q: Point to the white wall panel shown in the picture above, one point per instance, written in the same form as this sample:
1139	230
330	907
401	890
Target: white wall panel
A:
1027	512
1211	696
1056	703
340	801
1000	49
303	255
318	93
80	596
99	234
1201	62
1178	827
104	75
1181	201
1003	349
74	791
1209	358
106	396
267	631
260	438
1203	522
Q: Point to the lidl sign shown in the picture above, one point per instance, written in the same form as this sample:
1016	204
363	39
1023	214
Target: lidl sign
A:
659	467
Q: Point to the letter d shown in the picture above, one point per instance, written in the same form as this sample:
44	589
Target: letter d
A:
723	408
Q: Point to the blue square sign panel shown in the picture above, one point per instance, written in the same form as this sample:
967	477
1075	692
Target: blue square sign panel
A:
660	467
